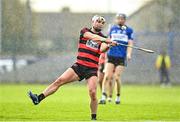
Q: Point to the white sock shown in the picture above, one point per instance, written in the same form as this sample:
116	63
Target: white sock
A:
118	98
103	97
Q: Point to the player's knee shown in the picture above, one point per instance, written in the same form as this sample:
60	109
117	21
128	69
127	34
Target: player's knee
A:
108	77
117	79
118	75
110	83
100	80
93	94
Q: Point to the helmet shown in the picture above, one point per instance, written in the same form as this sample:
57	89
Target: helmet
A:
121	15
98	18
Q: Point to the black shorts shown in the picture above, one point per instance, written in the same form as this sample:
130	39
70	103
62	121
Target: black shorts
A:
101	68
84	72
117	61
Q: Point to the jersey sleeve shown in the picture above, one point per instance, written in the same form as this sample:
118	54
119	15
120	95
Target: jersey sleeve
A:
84	30
130	34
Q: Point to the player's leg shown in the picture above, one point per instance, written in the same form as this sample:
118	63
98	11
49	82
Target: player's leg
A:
68	76
100	79
111	87
109	67
161	76
167	81
92	86
117	77
100	75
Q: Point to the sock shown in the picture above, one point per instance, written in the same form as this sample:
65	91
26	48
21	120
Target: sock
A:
93	116
118	97
41	97
104	95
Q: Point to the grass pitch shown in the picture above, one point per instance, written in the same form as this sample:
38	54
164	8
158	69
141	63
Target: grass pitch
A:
71	102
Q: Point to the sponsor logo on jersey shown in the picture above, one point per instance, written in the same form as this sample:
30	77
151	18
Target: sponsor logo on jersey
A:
119	37
92	44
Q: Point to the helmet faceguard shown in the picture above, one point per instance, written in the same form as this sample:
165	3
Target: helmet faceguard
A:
98	19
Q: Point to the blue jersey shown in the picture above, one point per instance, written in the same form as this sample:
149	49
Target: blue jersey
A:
120	35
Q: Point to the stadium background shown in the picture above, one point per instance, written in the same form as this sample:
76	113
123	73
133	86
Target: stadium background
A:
38	46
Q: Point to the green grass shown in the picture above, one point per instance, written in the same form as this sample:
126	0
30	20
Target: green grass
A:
71	102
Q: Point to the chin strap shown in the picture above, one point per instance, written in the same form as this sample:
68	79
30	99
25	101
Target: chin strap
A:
97	30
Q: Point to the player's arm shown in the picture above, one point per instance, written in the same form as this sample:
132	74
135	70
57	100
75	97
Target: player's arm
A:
104	47
97	38
129	50
130	43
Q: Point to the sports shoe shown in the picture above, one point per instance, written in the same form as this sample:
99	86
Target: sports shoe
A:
33	97
93	119
102	101
117	102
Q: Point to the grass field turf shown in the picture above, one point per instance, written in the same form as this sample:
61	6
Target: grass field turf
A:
71	102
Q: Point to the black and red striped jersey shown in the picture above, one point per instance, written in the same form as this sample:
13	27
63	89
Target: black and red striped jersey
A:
88	50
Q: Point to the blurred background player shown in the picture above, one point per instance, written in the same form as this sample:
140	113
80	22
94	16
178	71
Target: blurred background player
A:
163	65
102	62
91	43
117	56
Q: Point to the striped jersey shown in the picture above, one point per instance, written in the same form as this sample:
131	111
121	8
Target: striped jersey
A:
88	50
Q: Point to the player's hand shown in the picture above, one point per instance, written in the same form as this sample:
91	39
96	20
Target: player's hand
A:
110	42
128	57
113	43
